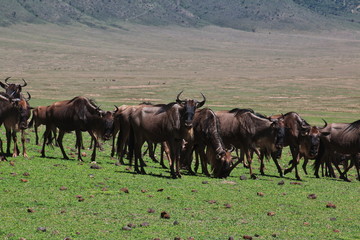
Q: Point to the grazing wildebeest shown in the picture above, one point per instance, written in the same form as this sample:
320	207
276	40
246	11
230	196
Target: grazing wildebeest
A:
78	114
169	123
251	132
295	128
207	135
14	113
341	138
11	89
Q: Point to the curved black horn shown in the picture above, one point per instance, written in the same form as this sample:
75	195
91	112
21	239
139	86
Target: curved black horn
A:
25	83
325	123
116	108
178	100
200	104
6	79
4	98
29	97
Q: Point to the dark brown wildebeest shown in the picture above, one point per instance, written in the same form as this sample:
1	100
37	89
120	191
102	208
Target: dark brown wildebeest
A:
169	123
341	138
207	136
122	125
11	89
249	132
39	118
14	113
295	129
309	143
78	114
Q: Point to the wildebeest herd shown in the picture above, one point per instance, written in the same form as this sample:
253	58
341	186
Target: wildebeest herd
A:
184	130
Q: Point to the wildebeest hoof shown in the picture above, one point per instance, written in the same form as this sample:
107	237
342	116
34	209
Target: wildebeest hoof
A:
253	176
287	171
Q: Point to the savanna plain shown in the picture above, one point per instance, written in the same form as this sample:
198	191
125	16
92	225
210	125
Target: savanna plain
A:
315	74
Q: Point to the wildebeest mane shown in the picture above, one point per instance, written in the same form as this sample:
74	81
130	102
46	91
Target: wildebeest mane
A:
354	126
239	111
164	107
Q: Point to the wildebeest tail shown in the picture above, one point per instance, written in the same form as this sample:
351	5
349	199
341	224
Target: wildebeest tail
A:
131	142
31	123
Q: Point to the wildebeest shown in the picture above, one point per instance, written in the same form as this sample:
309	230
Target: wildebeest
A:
295	130
39	118
169	123
207	136
122	125
78	114
341	138
249	132
14	113
11	89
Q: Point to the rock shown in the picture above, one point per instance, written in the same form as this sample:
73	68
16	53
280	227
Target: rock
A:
243	177
247	237
150	210
281	182
41	229
165	215
330	205
62	188
95	166
261	194
126	228
312	196
125	190
271	213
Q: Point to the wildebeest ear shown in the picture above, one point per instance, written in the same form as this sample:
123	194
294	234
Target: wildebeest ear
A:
324	134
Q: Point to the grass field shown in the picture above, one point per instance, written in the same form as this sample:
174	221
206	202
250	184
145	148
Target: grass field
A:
314	74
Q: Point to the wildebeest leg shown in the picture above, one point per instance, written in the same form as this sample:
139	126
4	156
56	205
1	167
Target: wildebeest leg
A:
79	143
177	157
152	148
186	157
295	155
121	143
249	160
16	149
196	162
59	140
164	149
23	143
306	160
274	157
262	166
47	135
203	160
8	141
36	133
138	156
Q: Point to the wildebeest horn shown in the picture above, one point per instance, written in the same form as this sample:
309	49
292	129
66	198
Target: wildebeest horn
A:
116	108
25	83
178	97
6	79
200	104
29	97
325	123
4	98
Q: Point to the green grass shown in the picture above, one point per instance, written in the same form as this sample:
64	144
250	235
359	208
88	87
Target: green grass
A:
106	209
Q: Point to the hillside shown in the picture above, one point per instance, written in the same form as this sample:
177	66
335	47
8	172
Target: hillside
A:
246	14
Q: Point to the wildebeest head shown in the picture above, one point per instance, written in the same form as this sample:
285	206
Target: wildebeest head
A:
225	159
108	118
310	142
189	107
23	108
278	127
12	89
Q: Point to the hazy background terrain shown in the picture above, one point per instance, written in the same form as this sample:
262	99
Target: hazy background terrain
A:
272	56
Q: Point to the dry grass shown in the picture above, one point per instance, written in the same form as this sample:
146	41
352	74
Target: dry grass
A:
315	74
